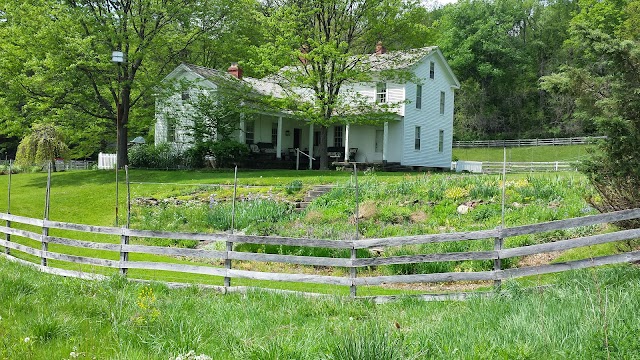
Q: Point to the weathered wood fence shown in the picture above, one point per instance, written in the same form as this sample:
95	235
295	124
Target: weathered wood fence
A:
353	263
527	142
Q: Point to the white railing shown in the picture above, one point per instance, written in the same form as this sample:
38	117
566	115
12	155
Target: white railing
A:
298	152
107	161
527	142
493	167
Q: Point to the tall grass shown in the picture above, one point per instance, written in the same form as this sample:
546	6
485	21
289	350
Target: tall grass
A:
587	314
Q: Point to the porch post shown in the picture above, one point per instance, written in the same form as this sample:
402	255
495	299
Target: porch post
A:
385	141
310	146
346	143
279	139
241	138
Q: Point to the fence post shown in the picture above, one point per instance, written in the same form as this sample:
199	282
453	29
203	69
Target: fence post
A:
497	263
227	261
353	271
8	236
124	239
45	229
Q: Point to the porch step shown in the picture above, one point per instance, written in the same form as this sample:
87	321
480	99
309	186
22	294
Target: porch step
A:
312	194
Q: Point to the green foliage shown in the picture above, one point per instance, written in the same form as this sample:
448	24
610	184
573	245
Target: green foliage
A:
228	153
604	83
162	156
293	187
225	154
42	145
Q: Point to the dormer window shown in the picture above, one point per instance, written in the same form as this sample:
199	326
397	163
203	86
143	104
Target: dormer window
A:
381	92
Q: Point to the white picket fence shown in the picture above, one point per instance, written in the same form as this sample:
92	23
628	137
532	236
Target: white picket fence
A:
107	161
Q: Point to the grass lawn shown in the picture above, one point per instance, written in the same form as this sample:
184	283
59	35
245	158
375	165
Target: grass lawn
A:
588	314
584	314
569	153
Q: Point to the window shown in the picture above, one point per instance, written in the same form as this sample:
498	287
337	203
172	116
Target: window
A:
417	138
274	133
249	132
381	93
171	129
185	95
442	95
337	136
418	96
316	138
441	141
432	70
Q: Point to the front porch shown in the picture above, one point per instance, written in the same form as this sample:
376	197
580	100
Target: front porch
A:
276	137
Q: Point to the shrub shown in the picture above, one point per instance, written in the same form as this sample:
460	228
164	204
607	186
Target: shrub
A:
293	187
228	153
162	156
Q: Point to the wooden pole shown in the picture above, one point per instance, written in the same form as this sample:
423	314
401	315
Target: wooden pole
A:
8	236
498	242
117	188
45	229
124	239
227	261
354	254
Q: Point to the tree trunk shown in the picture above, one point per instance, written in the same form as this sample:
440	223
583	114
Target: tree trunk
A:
322	148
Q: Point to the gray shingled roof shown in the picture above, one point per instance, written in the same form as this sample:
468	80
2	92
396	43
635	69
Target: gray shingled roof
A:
395	60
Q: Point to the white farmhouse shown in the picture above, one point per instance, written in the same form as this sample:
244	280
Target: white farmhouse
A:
420	136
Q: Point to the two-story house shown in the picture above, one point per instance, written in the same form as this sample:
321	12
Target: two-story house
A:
420	135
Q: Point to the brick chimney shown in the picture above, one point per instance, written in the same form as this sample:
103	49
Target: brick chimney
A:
380	49
235	70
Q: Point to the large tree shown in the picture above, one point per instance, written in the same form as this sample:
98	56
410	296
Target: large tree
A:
325	42
499	49
59	56
603	79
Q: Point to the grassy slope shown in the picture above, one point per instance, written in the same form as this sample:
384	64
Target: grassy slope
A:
523	154
589	314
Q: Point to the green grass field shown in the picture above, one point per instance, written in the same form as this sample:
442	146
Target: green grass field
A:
588	314
583	314
569	153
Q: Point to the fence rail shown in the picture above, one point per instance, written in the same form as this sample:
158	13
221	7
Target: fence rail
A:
62	165
490	167
352	263
527	142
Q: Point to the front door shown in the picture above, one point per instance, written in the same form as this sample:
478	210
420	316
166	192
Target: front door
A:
379	140
297	134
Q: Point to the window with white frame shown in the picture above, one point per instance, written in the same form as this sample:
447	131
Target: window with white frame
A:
249	131
171	129
442	100
381	92
441	141
338	136
418	96
432	70
417	138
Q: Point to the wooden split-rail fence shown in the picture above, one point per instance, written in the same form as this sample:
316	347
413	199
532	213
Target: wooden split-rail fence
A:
13	246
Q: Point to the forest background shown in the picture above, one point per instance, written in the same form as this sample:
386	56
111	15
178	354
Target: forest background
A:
528	68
